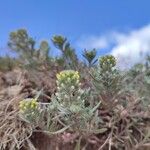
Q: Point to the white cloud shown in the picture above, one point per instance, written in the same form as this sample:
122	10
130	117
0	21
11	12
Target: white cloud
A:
129	48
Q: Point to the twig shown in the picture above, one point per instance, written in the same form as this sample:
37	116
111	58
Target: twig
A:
105	142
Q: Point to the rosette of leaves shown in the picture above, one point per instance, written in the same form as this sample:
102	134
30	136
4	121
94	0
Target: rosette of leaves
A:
70	103
107	80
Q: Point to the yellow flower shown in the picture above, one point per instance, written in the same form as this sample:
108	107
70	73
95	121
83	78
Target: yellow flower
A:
58	76
32	106
68	75
21	105
108	60
24	108
28	104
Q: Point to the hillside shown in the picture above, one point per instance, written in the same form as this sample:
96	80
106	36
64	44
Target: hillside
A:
63	103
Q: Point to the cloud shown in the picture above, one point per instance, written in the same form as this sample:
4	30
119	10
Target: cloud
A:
129	48
132	48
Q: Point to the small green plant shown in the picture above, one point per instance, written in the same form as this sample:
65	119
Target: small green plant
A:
23	44
71	103
29	109
68	53
90	55
107	80
28	105
7	63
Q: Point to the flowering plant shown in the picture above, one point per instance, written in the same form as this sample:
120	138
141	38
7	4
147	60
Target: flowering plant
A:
107	81
29	109
28	104
71	102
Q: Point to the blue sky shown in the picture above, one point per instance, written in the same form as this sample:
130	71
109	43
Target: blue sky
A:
75	19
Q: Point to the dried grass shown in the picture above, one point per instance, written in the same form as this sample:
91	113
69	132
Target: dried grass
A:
13	131
128	127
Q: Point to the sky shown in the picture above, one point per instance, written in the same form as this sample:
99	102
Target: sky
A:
119	27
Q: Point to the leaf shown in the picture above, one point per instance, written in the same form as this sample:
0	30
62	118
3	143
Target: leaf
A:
56	132
61	130
94	61
95	107
100	131
38	94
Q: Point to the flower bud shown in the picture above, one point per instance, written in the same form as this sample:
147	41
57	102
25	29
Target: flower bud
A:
78	98
66	96
72	87
69	79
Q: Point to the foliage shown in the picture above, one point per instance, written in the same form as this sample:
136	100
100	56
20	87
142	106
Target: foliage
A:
138	80
107	80
22	43
44	51
7	63
28	104
90	55
68	53
25	46
69	106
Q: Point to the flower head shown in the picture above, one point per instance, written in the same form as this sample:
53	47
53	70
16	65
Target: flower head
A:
28	105
107	61
68	76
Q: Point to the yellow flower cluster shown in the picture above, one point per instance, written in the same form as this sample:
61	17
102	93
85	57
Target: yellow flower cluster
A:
68	75
108	60
28	104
